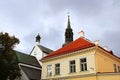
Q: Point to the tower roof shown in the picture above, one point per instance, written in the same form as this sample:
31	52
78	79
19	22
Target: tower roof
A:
68	24
38	38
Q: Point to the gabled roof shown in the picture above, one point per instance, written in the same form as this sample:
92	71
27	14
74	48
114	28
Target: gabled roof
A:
45	49
26	59
32	74
79	44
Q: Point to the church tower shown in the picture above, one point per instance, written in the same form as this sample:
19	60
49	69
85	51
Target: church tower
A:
68	33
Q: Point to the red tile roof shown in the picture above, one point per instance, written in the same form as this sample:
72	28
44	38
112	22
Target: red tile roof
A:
80	43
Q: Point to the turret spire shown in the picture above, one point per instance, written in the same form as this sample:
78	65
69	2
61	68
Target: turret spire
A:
68	25
38	39
68	33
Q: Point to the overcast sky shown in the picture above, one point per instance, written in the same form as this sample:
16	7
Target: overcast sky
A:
99	19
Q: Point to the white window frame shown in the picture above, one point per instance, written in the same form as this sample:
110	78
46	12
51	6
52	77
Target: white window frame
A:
57	69
49	70
72	67
83	65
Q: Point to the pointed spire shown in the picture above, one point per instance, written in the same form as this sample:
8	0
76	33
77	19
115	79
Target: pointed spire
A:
68	25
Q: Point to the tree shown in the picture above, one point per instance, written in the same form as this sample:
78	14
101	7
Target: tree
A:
9	69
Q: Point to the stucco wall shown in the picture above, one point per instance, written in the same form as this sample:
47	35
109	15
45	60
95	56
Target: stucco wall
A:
105	61
64	62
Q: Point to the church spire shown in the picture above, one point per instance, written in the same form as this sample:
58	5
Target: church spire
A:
68	33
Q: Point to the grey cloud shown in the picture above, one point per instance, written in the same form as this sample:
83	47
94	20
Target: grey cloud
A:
26	18
84	7
112	40
52	39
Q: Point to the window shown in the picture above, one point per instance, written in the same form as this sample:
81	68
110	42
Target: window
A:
118	68
115	67
49	70
83	64
72	66
57	69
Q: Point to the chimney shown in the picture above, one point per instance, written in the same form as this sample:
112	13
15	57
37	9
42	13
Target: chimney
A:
96	42
81	34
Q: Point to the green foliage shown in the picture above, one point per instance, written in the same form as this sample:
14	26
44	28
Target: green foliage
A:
9	69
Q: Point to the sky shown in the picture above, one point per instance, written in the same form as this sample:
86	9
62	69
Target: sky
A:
99	19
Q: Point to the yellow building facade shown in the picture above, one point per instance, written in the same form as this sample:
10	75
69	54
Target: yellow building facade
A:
100	63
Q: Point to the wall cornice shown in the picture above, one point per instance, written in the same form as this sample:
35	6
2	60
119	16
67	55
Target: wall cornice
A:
68	54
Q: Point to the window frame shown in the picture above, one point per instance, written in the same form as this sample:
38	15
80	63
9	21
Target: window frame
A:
115	67
49	71
118	68
83	65
57	69
72	67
